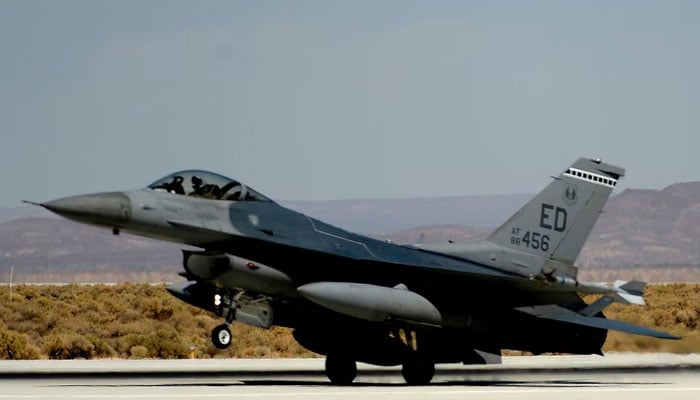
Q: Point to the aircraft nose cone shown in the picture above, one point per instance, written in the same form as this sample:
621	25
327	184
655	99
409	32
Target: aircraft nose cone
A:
112	209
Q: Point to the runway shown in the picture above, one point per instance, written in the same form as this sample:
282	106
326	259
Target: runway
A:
616	377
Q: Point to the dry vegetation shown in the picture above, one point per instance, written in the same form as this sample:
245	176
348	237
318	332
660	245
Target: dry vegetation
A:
144	321
125	321
646	273
672	308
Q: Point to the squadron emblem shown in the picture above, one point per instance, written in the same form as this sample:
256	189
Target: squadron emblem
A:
570	194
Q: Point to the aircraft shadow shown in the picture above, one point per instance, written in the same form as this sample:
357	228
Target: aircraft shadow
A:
513	383
309	383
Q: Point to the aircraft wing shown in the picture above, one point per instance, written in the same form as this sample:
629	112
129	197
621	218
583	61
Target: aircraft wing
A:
219	240
557	313
343	297
462	276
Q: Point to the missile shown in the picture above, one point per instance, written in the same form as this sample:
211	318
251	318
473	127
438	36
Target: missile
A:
372	302
228	270
624	292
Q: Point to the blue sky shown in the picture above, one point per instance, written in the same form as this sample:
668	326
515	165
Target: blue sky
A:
309	100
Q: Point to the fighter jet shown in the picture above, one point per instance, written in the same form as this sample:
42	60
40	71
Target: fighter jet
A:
355	298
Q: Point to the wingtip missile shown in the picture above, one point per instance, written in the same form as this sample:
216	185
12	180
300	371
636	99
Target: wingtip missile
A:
624	292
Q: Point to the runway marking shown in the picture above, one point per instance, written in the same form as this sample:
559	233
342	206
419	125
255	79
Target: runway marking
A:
349	393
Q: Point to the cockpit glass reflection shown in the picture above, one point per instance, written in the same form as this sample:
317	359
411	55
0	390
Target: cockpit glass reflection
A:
206	185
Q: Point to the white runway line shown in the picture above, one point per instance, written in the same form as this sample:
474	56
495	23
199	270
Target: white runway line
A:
372	393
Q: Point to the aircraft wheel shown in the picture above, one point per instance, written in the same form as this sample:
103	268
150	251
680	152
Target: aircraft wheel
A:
340	370
418	372
221	336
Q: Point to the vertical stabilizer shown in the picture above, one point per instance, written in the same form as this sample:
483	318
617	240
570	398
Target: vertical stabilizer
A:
556	223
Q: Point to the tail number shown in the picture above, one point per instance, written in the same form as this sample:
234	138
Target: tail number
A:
534	240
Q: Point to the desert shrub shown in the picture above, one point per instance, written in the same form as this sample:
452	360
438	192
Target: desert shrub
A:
687	317
155	308
87	321
138	352
15	346
102	348
163	343
69	346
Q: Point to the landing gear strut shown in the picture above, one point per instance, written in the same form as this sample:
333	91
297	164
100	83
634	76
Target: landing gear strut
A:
250	309
340	369
225	306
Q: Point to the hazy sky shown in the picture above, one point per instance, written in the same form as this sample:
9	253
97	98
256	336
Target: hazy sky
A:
307	100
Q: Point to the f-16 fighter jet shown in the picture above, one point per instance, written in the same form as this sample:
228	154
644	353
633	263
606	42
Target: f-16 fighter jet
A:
355	298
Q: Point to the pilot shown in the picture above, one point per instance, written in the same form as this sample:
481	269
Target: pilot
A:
174	186
197	188
200	189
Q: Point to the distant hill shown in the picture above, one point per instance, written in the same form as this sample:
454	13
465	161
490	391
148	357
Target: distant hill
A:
655	229
648	227
637	227
19	212
49	249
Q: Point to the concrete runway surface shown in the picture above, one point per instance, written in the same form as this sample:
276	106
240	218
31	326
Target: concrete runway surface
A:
619	377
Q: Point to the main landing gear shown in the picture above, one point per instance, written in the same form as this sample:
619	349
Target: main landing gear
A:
342	370
418	372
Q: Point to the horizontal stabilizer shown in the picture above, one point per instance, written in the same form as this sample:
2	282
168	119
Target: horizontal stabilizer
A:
557	313
597	306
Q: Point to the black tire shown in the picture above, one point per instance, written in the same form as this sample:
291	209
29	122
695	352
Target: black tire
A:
418	372
340	370
221	337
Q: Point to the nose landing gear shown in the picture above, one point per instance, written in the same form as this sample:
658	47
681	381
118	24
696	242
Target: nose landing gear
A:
225	306
250	309
221	336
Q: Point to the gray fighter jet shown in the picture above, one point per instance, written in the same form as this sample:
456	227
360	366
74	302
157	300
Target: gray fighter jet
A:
355	298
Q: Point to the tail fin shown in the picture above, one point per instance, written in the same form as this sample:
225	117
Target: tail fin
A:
556	223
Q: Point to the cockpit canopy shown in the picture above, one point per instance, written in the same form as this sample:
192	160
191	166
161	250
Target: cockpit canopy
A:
206	185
